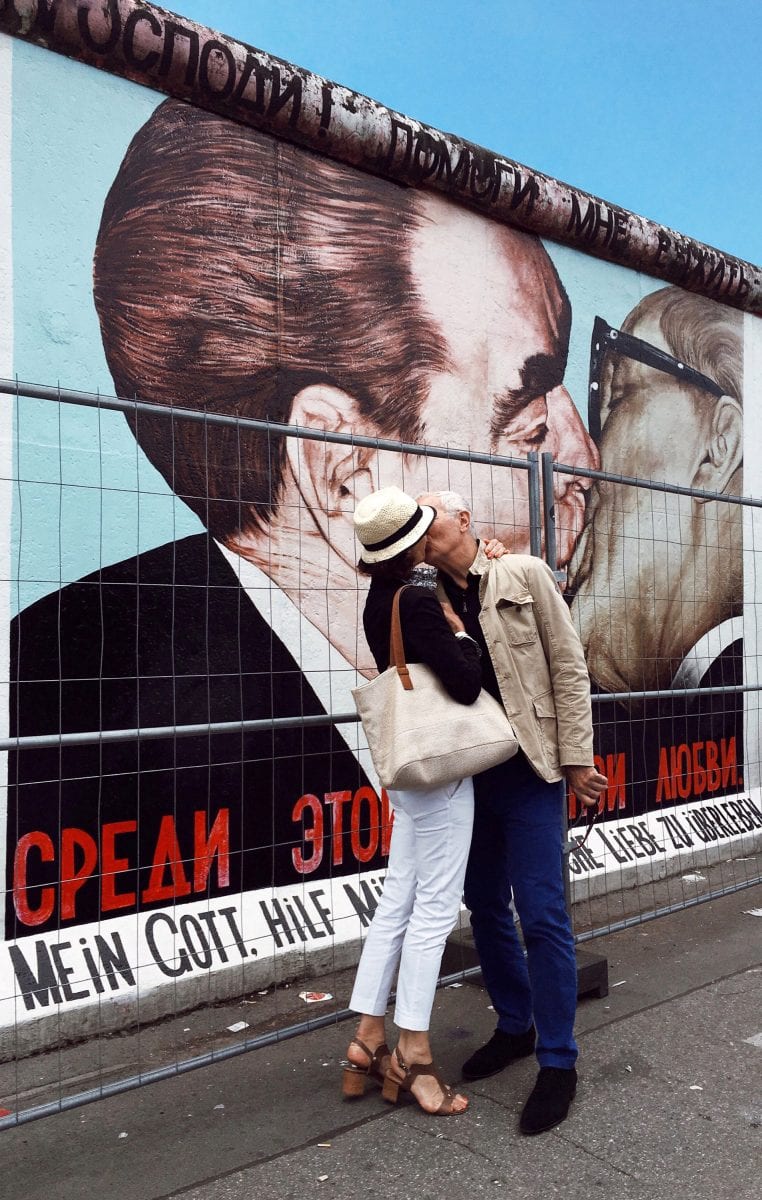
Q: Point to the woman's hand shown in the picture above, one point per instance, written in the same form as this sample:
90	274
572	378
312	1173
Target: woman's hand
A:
452	618
494	548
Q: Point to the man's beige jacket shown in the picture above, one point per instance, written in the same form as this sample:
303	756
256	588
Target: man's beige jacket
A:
538	661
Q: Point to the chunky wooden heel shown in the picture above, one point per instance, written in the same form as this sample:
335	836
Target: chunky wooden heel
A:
355	1079
391	1090
353	1082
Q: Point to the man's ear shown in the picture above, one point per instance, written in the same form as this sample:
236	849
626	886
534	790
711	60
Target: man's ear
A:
331	477
724	448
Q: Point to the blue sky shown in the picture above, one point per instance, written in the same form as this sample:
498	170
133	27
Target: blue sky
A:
655	105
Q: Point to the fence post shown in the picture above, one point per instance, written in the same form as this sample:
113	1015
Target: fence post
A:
535	509
592	968
549	516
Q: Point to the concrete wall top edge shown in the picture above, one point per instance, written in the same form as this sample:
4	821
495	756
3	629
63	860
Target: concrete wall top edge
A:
161	50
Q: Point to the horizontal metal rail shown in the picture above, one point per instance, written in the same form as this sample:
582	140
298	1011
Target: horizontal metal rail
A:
50	741
33	391
655	485
676	693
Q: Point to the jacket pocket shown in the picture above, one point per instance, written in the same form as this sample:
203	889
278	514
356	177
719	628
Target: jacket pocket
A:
545	715
517	620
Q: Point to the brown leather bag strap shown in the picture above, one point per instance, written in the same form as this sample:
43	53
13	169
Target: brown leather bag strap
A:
396	645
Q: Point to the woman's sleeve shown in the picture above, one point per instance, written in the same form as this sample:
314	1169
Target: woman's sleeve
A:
429	639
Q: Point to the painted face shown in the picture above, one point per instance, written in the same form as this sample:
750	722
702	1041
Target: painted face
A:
493	295
634	604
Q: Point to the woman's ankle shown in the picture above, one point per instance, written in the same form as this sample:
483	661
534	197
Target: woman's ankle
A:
367	1051
414	1046
370	1032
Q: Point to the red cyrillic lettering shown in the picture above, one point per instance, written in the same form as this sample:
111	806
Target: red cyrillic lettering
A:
111	865
337	800
72	878
681	770
713	775
664	790
314	834
387	822
206	849
365	795
728	761
27	915
166	854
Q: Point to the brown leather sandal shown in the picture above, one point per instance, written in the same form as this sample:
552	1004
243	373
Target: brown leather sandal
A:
394	1083
356	1078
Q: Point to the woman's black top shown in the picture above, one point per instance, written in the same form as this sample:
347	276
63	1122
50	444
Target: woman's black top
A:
426	636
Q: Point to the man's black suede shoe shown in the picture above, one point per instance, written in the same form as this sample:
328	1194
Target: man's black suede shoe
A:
549	1101
500	1050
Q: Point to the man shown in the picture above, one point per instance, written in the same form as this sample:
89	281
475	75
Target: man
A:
658	578
238	275
532	662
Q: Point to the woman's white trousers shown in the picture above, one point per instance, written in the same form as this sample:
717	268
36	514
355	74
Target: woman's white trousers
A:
420	902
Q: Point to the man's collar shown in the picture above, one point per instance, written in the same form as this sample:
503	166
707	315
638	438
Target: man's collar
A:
480	565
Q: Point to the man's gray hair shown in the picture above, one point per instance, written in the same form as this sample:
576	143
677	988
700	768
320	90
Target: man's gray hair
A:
453	502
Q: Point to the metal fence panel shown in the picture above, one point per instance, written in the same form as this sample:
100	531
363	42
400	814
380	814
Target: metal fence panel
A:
112	930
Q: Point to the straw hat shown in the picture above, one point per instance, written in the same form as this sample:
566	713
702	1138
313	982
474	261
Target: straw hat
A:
389	521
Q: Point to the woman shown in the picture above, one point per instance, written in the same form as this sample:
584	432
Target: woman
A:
432	828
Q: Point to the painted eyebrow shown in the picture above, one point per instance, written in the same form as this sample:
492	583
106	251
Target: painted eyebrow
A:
539	375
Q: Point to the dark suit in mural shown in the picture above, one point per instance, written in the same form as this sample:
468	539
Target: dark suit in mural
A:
167	638
657	578
235	274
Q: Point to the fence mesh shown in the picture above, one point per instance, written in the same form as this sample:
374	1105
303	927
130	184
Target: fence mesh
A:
194	839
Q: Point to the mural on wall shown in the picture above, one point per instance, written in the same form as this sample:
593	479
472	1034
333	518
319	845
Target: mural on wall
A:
666	403
656	583
236	275
169	571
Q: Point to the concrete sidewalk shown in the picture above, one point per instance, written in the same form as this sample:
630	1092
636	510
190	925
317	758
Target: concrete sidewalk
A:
669	1103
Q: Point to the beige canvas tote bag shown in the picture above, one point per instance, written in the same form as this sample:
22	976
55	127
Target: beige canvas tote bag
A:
418	736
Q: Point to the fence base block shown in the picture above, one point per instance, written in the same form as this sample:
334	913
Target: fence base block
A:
592	969
592	974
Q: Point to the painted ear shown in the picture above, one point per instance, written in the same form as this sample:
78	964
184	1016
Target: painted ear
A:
331	477
724	449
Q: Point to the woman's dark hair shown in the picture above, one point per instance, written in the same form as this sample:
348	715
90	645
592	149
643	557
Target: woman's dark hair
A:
390	569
